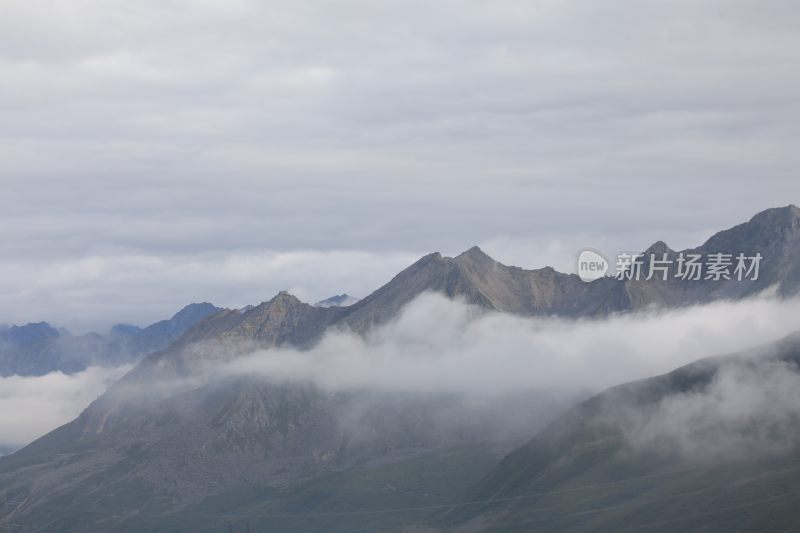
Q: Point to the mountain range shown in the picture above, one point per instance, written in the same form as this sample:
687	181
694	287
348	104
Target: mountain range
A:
37	349
163	450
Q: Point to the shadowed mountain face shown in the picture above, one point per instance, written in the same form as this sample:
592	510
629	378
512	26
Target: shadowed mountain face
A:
168	459
160	446
713	446
38	349
162	333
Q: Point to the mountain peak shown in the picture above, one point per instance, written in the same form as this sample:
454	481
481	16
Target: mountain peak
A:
188	317
203	308
658	248
339	300
788	216
31	332
285	298
767	231
433	256
474	255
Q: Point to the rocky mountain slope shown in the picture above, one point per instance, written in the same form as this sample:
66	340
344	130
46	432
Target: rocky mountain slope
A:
674	452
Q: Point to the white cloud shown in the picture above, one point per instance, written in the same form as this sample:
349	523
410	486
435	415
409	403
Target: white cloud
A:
748	411
32	406
439	345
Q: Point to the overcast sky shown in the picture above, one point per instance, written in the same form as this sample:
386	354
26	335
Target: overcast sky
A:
158	152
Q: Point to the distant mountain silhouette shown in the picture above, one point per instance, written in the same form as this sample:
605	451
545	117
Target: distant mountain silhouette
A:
38	349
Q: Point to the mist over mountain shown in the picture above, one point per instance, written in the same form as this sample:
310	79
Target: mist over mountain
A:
639	455
31	406
36	349
475	266
257	413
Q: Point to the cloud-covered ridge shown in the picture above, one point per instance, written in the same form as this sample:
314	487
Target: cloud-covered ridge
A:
437	344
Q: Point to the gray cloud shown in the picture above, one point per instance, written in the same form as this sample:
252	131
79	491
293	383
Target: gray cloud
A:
177	129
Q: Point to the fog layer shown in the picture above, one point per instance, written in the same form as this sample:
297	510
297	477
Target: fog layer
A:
32	406
441	345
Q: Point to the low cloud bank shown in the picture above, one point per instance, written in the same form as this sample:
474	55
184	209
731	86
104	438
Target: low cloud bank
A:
32	406
440	345
748	411
437	345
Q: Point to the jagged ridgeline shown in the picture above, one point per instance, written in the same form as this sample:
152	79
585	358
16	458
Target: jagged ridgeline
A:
163	450
38	349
